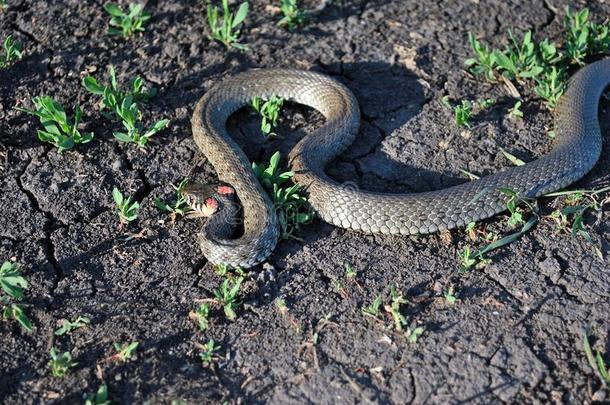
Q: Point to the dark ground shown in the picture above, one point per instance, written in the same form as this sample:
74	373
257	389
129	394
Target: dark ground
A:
515	333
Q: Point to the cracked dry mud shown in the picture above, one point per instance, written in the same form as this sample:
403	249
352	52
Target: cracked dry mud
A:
513	336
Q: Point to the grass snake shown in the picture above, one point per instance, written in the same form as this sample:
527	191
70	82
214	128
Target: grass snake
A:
577	149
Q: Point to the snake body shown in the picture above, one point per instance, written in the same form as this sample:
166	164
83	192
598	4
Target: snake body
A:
578	147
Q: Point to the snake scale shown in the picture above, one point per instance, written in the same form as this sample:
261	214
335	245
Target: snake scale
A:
578	147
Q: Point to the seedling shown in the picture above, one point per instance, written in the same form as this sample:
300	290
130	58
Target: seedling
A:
208	353
269	110
225	29
584	37
113	95
126	208
99	398
373	309
515	111
130	115
289	204
394	309
520	59
13	284
227	297
350	273
467	259
60	364
179	206
596	362
413	335
58	130
200	316
68	326
551	85
225	271
450	296
485	103
12	51
516	213
125	351
126	24
484	63
293	15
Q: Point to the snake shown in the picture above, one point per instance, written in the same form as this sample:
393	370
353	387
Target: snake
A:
578	145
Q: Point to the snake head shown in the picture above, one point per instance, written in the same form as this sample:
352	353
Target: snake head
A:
205	199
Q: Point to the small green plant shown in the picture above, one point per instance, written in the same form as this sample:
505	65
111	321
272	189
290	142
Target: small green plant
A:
463	113
373	310
413	335
208	352
584	37
100	397
113	95
596	362
515	111
551	86
12	51
450	296
484	62
58	130
225	29
125	351
520	60
290	205
13	284
68	326
269	110
179	206
60	364
293	15
126	208
350	273
394	309
201	316
467	259
512	205
126	24
227	297
130	115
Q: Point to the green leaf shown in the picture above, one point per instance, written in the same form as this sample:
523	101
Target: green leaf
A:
242	12
113	10
117	196
122	136
92	85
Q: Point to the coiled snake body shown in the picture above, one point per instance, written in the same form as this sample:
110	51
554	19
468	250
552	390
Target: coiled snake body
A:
578	148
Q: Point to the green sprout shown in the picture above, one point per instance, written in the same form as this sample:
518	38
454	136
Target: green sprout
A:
467	259
125	351
290	204
293	15
100	397
394	309
201	316
58	130
551	86
12	52
113	95
225	29
68	326
227	297
126	24
179	206
208	352
130	115
512	205
484	62
373	309
13	284
520	60
463	113
515	111
585	37
269	111
60	364
596	362
413	335
350	273
126	208
450	296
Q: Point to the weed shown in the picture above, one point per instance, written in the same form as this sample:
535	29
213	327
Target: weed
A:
515	111
484	62
130	115
60	364
584	37
179	206
467	259
201	316
512	205
126	208
225	271
596	362
394	309
126	24
113	95
373	309
350	273
12	52
125	351
551	85
520	60
450	296
100	397
289	204
68	326
225	29
463	111
293	15
485	103
13	284
227	297
413	335
58	130
208	352
269	110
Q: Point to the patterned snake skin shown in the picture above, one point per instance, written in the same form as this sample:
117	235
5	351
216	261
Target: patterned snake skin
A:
578	148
